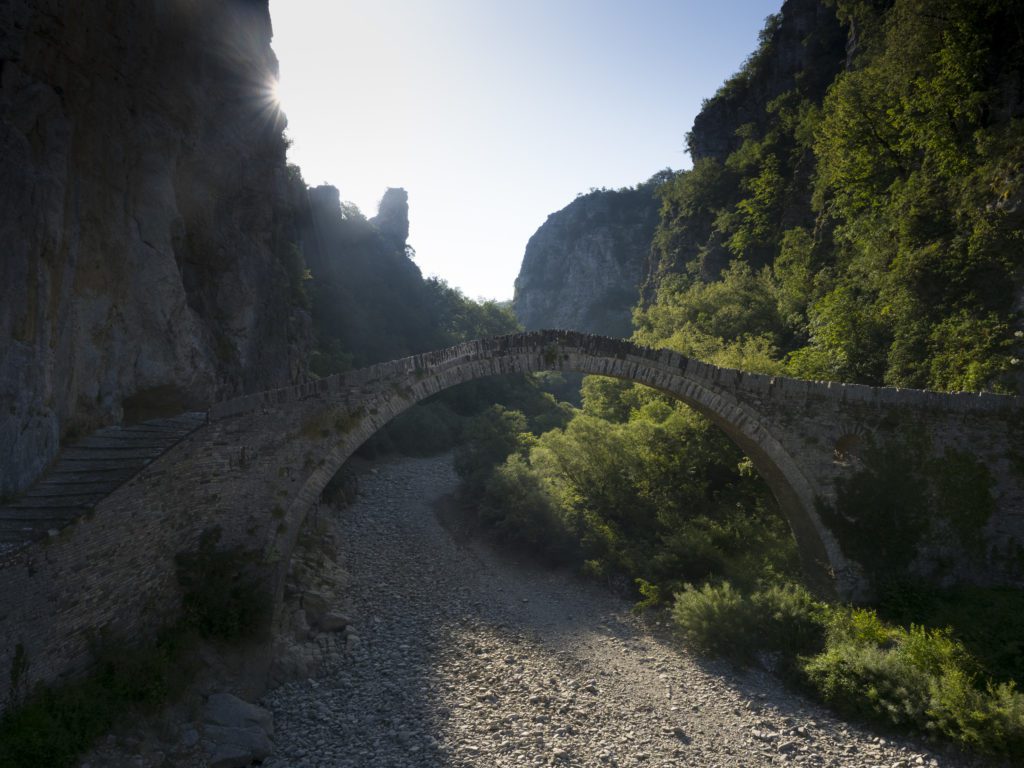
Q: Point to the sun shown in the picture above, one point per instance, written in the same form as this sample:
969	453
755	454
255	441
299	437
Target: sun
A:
267	100
274	92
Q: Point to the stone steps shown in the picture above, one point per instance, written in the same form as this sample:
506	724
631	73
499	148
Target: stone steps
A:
72	467
86	472
53	502
76	453
123	443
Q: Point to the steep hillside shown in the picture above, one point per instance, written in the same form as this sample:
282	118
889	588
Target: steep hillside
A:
161	253
855	212
369	298
802	48
582	268
869	231
749	145
147	217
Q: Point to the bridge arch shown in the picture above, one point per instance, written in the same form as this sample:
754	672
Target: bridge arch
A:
351	407
258	464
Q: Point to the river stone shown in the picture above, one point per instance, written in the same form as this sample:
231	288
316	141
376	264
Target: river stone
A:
229	711
315	605
334	622
232	744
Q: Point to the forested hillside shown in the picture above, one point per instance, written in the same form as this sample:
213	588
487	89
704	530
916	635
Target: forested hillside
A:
369	302
368	299
855	212
870	232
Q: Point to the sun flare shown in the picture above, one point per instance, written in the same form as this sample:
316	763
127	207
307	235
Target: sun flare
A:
274	92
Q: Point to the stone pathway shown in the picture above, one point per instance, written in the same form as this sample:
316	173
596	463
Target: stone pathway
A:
85	472
461	657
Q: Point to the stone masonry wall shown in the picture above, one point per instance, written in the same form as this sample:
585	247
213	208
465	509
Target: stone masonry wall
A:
147	218
262	461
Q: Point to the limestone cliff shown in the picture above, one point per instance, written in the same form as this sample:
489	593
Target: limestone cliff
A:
146	216
392	220
582	268
368	296
803	47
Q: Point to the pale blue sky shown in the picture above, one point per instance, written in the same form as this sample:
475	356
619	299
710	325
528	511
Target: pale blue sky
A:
494	114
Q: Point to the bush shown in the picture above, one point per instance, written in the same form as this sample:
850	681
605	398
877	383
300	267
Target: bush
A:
857	625
989	621
915	679
871	682
223	600
717	619
1004	721
720	620
918	679
792	621
53	726
517	508
489	439
426	429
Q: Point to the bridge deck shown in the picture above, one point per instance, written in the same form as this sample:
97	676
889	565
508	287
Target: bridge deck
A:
86	472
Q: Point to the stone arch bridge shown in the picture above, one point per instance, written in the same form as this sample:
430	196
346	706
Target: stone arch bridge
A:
254	466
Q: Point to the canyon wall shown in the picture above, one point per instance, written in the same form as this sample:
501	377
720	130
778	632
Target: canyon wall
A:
583	266
803	47
369	299
148	217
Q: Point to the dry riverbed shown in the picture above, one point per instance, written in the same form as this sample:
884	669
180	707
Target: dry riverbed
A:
460	656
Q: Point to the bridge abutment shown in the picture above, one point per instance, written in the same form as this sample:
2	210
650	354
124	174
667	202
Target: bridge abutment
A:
261	462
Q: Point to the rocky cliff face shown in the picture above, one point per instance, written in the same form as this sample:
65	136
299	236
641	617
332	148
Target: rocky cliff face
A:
368	297
803	47
392	220
145	215
582	268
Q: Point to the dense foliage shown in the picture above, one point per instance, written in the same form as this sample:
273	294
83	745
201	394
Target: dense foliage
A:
861	220
911	678
439	423
872	234
639	491
55	726
634	488
369	303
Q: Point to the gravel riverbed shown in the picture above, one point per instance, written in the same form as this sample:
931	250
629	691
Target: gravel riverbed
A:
463	657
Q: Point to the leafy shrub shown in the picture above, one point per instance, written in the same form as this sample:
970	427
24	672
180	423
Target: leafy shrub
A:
1003	722
918	679
860	626
988	621
792	621
657	495
869	681
717	619
519	510
425	430
53	726
223	600
489	439
721	620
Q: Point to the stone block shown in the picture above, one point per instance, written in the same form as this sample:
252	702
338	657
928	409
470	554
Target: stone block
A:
226	710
